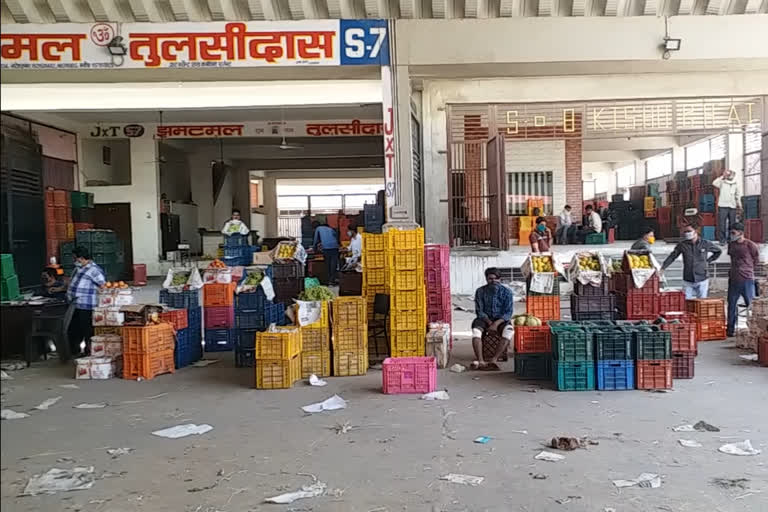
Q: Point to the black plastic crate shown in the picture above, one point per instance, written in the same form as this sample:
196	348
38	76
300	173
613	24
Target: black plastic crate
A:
251	300
287	270
587	290
187	299
246	338
250	319
592	303
287	289
235	240
613	344
245	357
533	366
572	345
653	343
82	215
593	316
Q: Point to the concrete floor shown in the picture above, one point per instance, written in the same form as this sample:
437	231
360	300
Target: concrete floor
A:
262	444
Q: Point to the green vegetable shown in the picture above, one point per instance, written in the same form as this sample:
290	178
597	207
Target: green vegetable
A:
317	293
253	278
180	278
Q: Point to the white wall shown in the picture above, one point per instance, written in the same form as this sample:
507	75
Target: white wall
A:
93	168
143	194
202	189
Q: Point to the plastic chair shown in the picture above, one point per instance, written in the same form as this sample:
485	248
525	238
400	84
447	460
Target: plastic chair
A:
378	345
50	324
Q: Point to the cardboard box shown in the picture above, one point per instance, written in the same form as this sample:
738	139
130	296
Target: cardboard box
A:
140	314
262	258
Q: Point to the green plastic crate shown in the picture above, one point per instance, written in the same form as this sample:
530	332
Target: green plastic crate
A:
96	236
595	238
572	345
78	199
653	343
104	258
6	265
9	288
574	375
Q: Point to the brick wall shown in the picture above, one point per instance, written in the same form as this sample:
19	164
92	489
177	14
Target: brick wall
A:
573	180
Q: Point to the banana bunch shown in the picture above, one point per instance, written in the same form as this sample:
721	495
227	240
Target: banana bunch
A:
542	264
639	261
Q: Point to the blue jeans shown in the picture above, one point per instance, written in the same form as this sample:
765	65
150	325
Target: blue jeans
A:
738	289
698	290
331	257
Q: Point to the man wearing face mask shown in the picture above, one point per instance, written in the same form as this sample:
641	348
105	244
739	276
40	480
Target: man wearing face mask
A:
644	244
697	255
727	203
83	292
494	304
745	255
541	236
355	249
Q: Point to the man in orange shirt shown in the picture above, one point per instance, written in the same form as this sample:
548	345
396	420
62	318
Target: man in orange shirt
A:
541	236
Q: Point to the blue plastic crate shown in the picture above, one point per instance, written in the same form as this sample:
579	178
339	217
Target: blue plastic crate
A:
235	240
246	338
613	375
751	206
188	348
219	340
187	299
254	300
195	318
708	233
274	314
707	203
533	366
250	319
245	357
574	375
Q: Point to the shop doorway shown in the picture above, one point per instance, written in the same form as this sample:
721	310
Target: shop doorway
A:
117	217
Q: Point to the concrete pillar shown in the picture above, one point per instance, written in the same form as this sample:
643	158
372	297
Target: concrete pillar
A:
202	189
270	205
241	191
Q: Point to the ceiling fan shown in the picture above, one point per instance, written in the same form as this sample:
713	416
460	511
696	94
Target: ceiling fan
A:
283	142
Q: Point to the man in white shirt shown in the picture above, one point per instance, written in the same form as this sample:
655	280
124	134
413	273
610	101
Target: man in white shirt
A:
727	204
234	225
564	222
595	224
355	244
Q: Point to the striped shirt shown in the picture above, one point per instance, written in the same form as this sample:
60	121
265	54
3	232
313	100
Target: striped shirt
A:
84	287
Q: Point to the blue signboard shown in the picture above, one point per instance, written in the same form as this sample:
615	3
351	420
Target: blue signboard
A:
364	42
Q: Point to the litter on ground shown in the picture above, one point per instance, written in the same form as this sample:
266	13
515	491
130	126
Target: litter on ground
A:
457	368
100	405
58	480
689	443
47	403
5	376
204	362
645	480
183	431
314	380
69	386
116	452
549	456
436	395
307	491
10	414
456	478
743	448
331	404
703	426
482	440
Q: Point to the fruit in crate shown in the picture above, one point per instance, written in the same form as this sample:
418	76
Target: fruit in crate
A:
616	265
589	262
542	264
115	285
253	278
639	261
285	251
317	293
527	320
180	278
217	263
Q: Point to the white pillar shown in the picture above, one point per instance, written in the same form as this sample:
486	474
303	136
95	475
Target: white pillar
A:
202	189
270	205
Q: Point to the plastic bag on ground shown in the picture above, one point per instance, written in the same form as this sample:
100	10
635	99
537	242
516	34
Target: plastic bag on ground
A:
183	431
307	491
645	480
549	456
58	480
457	478
743	448
331	404
10	414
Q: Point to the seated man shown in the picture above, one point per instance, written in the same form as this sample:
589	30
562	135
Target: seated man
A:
52	285
494	303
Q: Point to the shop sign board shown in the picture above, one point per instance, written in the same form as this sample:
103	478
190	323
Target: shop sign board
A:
195	45
389	134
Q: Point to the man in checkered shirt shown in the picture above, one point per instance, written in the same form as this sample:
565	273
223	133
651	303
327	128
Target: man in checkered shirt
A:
83	292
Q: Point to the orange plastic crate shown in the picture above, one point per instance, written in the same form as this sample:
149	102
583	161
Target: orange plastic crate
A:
350	338
349	311
543	307
314	339
653	374
706	309
176	317
147	365
218	294
61	198
315	362
683	336
350	362
148	339
283	344
530	339
277	373
711	330
60	231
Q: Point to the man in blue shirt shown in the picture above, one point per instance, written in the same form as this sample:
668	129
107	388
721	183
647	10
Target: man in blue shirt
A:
84	293
326	241
494	304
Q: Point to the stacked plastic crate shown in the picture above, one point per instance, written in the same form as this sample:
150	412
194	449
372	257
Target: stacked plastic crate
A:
287	280
147	351
653	364
592	301
753	224
253	313
543	305
316	347
615	358
350	336
407	316
373	218
9	281
104	247
219	316
682	329
375	282
710	318
185	353
635	303
237	251
278	358
573	364
189	346
58	221
437	277
533	352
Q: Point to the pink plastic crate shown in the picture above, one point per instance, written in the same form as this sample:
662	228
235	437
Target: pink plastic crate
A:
437	267
438	299
442	315
409	375
219	317
436	255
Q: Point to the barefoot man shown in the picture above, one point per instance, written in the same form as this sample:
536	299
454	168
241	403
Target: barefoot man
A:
493	306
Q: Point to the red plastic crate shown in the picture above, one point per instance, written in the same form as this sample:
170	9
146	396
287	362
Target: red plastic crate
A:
653	374
544	307
529	339
683	336
664	215
638	306
82	226
753	230
409	375
60	230
60	198
623	283
707	219
437	278
436	255
683	365
176	317
706	309
762	351
671	301
61	214
711	330
218	294
219	317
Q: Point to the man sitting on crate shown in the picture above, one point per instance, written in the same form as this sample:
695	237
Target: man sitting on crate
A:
493	305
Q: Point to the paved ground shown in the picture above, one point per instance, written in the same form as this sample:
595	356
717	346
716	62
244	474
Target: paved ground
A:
262	443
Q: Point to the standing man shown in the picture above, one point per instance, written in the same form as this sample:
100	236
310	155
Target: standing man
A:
564	222
727	203
697	255
745	255
83	292
644	244
326	241
494	304
234	225
541	236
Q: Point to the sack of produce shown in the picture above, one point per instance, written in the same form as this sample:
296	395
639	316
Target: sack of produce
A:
641	264
180	279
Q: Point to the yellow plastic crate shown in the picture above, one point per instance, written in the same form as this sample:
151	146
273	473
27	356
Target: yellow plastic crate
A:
410	239
649	204
317	362
323	321
408	353
283	344
376	259
375	276
407	300
349	363
349	311
374	243
407	320
406	279
405	259
350	338
370	291
315	339
277	373
412	342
